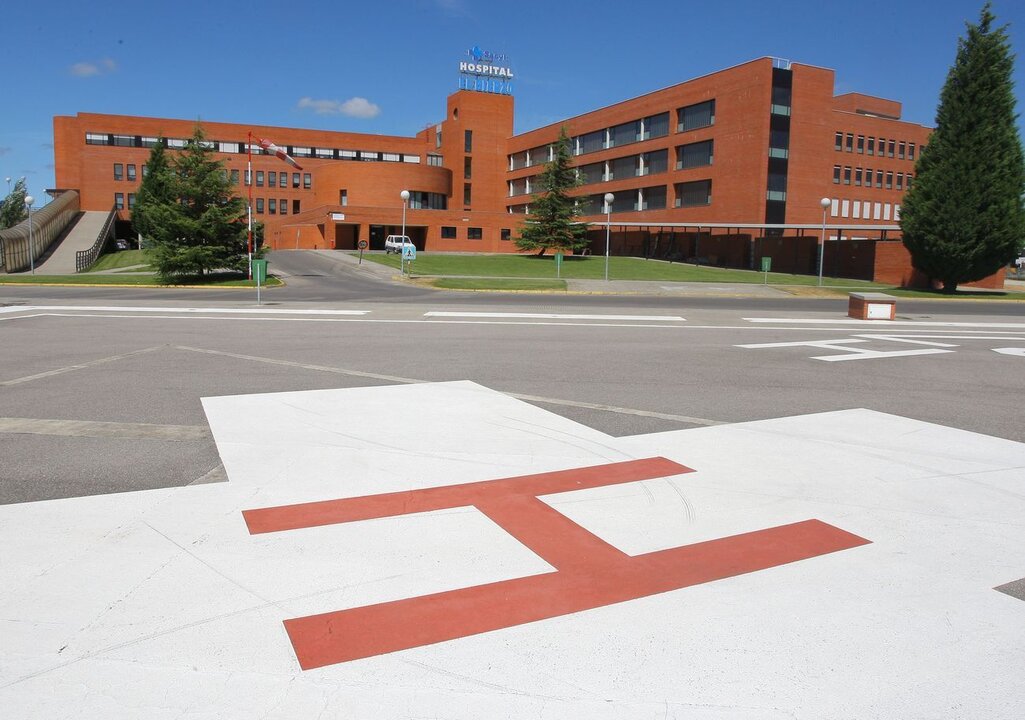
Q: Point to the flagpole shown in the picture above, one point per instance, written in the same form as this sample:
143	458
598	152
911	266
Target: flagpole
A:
249	207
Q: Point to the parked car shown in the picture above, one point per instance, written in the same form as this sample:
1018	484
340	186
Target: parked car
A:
121	244
395	243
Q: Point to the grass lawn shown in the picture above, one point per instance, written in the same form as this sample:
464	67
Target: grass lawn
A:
464	283
121	259
593	268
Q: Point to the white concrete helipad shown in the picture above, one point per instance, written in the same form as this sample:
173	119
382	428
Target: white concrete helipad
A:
445	551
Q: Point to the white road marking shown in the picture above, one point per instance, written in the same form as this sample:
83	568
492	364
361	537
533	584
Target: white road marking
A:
849	353
1019	351
80	366
188	310
554	316
881	324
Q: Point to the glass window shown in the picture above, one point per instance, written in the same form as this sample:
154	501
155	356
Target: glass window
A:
690	194
391	157
124	140
97	139
148	142
694	155
467	168
448	232
307	180
225	147
625	134
259	206
506	234
836	174
283	205
119	171
591	173
131	172
234	175
272	206
259	178
295	207
119	201
468	141
860	147
131	200
871	146
891	148
653	198
591	142
283	180
326	153
838	141
907	180
175	143
474	233
889	179
901	148
272	179
467	194
343	197
144	171
624	167
849	143
295	180
539	155
301	152
437	160
656	126
695	116
656	161
857	177
900	181
911	151
879	178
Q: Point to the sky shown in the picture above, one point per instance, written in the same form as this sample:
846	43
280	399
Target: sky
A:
387	69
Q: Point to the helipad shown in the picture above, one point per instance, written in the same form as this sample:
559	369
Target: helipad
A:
445	551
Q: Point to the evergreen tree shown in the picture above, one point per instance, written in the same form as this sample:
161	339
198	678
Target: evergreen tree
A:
156	194
964	219
552	222
13	210
193	221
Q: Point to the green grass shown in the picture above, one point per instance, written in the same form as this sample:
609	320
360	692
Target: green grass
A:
463	283
121	259
215	281
593	268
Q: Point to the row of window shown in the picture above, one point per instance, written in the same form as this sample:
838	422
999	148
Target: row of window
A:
119	201
276	179
275	206
687	194
864	210
119	172
451	232
654	126
241	148
868	145
867	177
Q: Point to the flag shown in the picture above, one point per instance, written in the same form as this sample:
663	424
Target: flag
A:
273	149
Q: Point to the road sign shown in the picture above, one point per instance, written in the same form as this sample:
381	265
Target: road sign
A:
362	244
766	264
409	252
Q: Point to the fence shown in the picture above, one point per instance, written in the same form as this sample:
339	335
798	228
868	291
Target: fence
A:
85	258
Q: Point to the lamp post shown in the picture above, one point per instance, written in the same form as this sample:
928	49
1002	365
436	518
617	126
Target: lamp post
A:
31	255
609	197
825	203
405	203
8	186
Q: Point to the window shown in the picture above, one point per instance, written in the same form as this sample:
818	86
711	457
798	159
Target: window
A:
301	152
857	177
590	142
283	206
346	154
119	171
911	151
131	173
625	134
148	142
96	139
448	232
506	234
124	140
900	181
272	179
391	157
901	147
890	148
420	200
521	187
326	153
591	173
871	146
343	197
690	194
653	198
694	155
468	141
467	168
413	159
907	180
119	201
307	181
259	178
224	147
437	160
131	200
656	126
474	233
861	145
846	176
175	143
838	141
295	180
836	174
283	180
272	206
467	194
656	161
889	180
437	136
695	116
295	207
624	167
259	206
849	143
234	175
144	171
538	155
777	187
879	178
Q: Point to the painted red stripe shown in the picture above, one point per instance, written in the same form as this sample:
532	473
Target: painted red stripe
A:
330	512
362	632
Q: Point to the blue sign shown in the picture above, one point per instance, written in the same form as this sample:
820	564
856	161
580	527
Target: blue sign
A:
409	252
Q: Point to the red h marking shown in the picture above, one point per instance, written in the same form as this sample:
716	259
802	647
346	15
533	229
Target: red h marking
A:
590	572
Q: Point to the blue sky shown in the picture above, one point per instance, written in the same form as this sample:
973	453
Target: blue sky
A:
365	67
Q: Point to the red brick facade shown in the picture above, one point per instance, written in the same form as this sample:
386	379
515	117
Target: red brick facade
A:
761	142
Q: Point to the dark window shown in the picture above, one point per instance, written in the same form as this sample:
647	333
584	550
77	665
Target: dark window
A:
467	194
234	175
879	178
295	207
592	141
890	148
467	167
871	146
889	179
131	200
911	151
283	205
861	144
448	231
838	141
857	177
259	178
907	180
695	116
119	171
343	197
307	180
653	198
259	206
473	233
283	180
131	172
849	143
836	174
656	126
97	139
272	206
846	176
272	179
506	234
295	180
468	140
625	134
624	167
690	194
591	173
694	155
656	161
119	201
900	181
901	148
125	140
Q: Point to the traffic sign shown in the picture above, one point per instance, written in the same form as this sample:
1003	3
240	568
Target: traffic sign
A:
409	252
362	244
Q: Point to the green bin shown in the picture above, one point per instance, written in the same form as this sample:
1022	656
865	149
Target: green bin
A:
260	272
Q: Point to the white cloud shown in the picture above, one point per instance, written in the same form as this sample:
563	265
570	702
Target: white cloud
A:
89	69
353	107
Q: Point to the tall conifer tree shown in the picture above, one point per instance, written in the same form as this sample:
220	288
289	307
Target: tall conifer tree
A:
963	219
552	222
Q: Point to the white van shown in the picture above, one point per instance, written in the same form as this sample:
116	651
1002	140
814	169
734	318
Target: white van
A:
395	243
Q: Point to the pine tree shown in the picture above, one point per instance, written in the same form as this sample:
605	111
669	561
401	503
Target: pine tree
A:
13	210
964	219
156	194
195	223
552	222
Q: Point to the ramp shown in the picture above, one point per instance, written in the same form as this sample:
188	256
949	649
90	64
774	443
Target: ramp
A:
80	236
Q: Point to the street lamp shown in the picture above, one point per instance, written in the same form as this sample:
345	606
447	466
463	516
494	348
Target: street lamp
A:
405	203
31	255
825	203
8	186
609	197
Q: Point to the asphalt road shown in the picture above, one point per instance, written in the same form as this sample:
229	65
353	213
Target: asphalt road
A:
96	400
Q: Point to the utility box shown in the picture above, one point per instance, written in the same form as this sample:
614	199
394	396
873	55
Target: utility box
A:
871	306
260	272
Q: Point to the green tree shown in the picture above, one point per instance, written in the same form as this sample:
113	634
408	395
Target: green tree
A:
13	210
963	219
552	222
154	203
191	219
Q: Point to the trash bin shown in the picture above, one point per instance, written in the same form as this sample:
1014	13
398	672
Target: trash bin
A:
260	272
